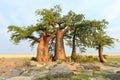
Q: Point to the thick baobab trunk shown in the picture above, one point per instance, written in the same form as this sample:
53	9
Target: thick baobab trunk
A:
59	46
43	50
73	55
46	51
40	50
100	51
42	54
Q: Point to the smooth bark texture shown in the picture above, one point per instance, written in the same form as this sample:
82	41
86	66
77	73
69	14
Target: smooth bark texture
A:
100	51
59	46
40	50
43	49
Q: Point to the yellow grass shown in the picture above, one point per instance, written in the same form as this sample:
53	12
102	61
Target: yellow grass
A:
17	55
34	55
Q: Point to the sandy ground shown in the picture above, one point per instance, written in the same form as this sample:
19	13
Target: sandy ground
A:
34	55
13	64
17	55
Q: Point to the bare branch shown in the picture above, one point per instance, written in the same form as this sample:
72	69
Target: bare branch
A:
52	35
68	28
34	38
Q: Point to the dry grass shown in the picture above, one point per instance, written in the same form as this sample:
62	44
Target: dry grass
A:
34	55
17	55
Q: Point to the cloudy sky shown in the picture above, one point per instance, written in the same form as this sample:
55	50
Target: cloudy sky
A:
22	13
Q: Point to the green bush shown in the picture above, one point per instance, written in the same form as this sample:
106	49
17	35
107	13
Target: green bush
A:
33	58
105	56
83	58
59	61
42	78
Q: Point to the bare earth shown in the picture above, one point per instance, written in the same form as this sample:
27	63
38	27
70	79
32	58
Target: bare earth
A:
17	55
14	65
34	55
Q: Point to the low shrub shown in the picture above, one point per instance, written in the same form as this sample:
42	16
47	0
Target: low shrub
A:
105	56
42	78
83	58
59	61
33	58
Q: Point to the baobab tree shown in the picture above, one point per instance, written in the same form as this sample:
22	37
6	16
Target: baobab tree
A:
102	40
99	38
90	33
52	25
44	29
66	24
62	27
72	36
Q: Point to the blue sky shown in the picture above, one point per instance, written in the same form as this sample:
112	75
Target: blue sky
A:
22	13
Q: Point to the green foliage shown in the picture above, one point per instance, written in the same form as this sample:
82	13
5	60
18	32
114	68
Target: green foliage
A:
59	62
97	35
87	33
92	34
49	17
104	40
42	78
33	58
18	33
88	30
82	58
83	76
105	56
113	59
22	33
100	74
46	22
72	38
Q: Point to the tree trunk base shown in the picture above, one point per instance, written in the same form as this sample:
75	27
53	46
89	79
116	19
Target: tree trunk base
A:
103	61
59	57
42	59
73	55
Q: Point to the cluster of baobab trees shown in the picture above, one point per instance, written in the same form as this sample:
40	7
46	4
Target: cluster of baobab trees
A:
54	28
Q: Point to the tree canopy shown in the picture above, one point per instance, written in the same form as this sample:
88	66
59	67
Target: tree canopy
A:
53	27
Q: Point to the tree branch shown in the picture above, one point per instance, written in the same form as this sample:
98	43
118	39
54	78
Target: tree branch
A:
68	28
34	38
53	33
41	29
54	23
51	36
